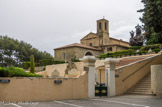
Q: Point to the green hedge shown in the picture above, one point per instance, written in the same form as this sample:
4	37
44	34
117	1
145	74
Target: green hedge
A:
26	65
122	53
153	47
44	62
16	72
135	47
58	62
147	47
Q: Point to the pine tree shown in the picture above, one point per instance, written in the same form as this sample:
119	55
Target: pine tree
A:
152	20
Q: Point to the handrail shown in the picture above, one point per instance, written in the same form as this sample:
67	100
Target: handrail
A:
139	68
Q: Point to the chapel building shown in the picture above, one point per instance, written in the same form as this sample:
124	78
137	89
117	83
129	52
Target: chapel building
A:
92	44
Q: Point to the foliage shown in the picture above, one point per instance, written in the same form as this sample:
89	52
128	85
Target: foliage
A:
26	65
45	62
58	62
3	73
153	47
122	53
156	50
135	47
143	50
32	64
118	53
152	20
14	52
16	72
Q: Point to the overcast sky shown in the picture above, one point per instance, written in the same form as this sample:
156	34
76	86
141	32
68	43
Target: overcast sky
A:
48	24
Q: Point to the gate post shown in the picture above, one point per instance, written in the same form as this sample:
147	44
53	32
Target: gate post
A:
110	76
89	66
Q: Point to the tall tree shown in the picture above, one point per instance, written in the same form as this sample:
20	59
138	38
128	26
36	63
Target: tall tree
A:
14	52
152	20
32	64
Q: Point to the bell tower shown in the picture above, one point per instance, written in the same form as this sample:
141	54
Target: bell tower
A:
103	31
102	26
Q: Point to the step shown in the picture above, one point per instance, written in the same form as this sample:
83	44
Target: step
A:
143	84
141	90
147	86
139	93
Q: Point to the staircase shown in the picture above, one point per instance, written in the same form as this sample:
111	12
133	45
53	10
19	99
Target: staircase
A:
142	87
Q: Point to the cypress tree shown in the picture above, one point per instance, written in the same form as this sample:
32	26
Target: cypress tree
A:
32	64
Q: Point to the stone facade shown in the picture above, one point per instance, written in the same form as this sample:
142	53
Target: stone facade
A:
92	44
101	39
65	54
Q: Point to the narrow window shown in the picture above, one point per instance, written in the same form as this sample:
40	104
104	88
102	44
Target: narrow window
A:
105	26
64	55
90	44
100	26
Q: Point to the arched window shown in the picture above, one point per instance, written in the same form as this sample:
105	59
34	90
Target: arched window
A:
88	54
100	26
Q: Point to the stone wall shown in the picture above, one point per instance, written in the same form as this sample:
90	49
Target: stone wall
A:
90	38
76	51
118	42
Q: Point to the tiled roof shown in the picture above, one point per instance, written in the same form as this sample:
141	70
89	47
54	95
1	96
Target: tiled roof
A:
78	45
118	40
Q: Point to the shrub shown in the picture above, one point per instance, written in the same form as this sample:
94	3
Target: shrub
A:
135	47
154	46
58	62
32	64
45	62
17	72
26	65
3	73
156	50
142	52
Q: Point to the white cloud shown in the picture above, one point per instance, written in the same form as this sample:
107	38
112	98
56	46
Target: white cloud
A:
48	24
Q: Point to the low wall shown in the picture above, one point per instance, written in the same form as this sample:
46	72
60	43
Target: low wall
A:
156	79
43	89
129	75
62	67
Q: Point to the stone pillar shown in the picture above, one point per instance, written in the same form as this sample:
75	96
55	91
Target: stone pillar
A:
156	79
110	74
89	66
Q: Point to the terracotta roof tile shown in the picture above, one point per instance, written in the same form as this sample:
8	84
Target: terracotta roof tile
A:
78	45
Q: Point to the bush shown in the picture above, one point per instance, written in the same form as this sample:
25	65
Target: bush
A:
3	73
142	52
135	47
45	62
17	72
58	62
26	65
156	50
153	47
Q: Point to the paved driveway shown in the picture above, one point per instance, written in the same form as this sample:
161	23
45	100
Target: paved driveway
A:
118	101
